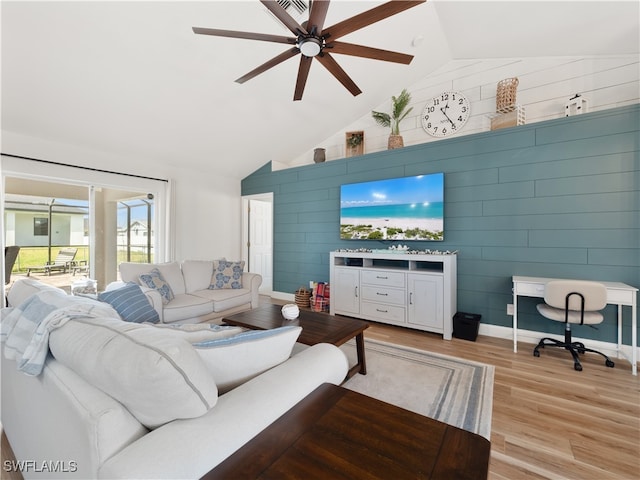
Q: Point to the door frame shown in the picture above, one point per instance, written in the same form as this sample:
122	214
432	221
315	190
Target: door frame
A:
264	197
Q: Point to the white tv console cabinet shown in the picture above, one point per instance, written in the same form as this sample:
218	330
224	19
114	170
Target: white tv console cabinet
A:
407	289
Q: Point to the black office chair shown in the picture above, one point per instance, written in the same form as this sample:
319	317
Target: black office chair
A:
577	302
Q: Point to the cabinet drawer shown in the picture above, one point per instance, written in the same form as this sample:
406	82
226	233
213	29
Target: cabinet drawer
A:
530	289
393	296
384	278
384	313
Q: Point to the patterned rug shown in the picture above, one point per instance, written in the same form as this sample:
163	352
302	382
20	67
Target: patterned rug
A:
455	391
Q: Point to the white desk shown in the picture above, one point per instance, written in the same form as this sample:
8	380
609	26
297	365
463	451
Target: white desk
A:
617	294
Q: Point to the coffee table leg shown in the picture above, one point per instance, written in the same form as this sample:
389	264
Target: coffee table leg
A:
360	348
361	365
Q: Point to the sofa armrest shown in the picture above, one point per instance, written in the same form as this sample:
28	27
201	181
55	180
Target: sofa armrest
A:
155	299
253	282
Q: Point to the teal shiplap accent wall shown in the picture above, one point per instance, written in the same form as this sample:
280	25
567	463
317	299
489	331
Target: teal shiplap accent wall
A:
558	199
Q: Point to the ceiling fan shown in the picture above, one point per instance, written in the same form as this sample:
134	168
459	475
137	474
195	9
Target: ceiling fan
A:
312	40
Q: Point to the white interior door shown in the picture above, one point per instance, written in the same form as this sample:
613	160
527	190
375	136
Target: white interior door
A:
259	214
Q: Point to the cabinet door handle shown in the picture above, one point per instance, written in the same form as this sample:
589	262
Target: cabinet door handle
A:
410	298
382	294
356	292
382	278
382	311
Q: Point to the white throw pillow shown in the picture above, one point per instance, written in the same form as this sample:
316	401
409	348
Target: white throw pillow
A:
235	360
154	373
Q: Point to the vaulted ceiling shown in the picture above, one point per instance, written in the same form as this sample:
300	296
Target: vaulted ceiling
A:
133	80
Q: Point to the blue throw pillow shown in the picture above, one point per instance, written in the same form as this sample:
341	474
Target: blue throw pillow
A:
226	274
155	280
131	304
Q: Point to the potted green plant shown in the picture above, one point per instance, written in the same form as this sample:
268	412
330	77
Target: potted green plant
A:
398	113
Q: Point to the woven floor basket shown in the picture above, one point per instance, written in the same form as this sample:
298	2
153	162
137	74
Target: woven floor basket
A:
506	95
303	297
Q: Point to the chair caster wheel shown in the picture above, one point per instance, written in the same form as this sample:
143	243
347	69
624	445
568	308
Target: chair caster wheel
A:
577	366
536	353
609	364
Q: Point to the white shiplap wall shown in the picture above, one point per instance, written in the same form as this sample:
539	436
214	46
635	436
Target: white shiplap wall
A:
545	85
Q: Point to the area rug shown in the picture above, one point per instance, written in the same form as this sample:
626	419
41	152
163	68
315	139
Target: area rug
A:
455	391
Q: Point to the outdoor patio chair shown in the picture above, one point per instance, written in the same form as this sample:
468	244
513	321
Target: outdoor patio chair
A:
10	256
64	260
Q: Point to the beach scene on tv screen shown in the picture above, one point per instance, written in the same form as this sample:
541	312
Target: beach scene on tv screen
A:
408	208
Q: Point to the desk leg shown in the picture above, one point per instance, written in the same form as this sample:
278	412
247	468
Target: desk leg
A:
619	330
634	336
515	322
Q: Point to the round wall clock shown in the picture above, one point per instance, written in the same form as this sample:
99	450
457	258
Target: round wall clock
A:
445	114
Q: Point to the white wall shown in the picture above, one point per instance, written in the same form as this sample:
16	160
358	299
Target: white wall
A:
206	206
545	85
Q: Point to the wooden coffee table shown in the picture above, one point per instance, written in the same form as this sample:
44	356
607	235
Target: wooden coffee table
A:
337	433
316	328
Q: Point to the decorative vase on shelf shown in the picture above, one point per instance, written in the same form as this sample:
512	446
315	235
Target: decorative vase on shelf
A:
318	155
395	141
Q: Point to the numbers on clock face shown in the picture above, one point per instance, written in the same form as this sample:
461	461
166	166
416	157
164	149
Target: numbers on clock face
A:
445	114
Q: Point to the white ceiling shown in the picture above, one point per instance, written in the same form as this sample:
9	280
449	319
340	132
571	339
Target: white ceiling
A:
131	79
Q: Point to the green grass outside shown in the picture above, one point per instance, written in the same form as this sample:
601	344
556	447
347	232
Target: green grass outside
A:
37	256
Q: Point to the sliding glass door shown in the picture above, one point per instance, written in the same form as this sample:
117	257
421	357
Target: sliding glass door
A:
106	218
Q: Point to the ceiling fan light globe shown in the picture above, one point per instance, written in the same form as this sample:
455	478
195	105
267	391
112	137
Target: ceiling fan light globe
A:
310	47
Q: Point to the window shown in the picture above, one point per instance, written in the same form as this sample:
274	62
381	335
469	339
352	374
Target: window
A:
40	226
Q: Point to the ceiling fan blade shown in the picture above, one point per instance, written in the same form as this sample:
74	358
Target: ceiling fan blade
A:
317	15
367	18
303	74
282	15
336	70
267	65
246	35
369	52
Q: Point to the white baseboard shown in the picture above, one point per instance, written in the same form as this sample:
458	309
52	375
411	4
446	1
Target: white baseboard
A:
524	336
533	337
287	297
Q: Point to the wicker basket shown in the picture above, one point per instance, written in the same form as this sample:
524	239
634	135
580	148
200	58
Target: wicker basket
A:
303	298
506	95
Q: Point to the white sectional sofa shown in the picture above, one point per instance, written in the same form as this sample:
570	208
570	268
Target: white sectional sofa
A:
122	400
193	301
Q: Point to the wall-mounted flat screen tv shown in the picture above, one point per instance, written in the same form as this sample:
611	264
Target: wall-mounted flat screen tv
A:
407	208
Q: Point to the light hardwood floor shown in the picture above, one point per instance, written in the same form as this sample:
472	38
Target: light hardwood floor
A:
549	421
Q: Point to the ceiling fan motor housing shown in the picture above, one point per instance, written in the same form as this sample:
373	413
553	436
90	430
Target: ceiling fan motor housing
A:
310	46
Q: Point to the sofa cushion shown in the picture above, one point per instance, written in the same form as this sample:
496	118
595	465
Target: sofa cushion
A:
186	306
171	272
226	298
157	376
234	360
23	288
131	304
227	274
197	274
201	332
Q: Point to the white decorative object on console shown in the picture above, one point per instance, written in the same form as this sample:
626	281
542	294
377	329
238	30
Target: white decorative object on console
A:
406	289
